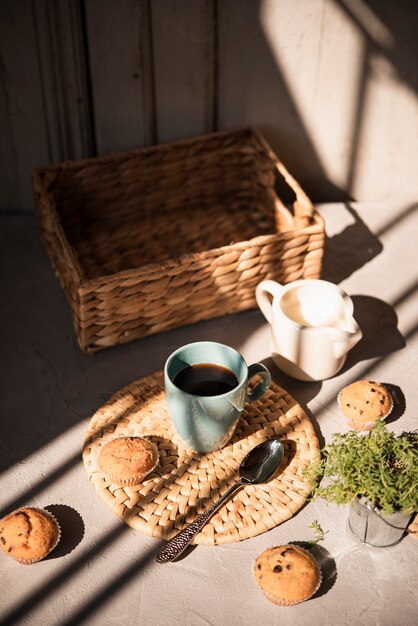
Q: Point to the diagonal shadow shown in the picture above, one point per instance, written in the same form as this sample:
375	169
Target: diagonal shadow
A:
38	487
106	593
407	294
371	312
19	612
348	251
376	319
310	154
387	20
397	220
367	373
389	32
273	110
16	614
293	141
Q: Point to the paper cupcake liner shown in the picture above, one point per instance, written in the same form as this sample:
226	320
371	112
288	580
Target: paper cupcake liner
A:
52	547
361	425
282	601
131	481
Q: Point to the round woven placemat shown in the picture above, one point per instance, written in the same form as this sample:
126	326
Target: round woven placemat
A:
185	483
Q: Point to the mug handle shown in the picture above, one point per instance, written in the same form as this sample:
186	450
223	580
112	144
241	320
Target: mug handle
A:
264	293
257	369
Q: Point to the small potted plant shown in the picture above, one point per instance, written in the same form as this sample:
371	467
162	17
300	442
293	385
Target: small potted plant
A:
377	475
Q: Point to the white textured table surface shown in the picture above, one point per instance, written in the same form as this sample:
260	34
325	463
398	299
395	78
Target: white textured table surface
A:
104	572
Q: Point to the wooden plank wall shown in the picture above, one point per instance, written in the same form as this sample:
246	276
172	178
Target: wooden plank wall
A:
331	83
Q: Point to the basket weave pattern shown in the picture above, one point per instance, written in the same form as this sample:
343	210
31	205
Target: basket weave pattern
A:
184	483
151	239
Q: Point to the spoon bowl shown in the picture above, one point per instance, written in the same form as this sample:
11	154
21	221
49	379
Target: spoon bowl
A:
261	463
259	466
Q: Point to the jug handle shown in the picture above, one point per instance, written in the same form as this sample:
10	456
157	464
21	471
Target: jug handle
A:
265	292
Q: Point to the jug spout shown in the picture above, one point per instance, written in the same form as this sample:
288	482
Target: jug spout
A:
345	338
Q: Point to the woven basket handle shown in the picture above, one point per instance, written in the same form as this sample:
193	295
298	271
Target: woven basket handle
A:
303	207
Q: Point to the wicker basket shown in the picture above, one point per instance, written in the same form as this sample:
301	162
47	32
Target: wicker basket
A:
151	239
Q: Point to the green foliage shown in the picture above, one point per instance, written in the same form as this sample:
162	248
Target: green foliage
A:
319	534
379	466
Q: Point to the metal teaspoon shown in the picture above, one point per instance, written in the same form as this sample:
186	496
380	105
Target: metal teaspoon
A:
258	466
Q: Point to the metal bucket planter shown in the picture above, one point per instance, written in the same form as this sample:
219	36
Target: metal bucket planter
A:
372	527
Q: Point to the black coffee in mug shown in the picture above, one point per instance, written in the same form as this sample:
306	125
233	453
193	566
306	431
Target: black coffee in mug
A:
206	379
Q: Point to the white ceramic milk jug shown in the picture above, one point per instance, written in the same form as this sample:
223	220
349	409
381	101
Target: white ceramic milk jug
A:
312	326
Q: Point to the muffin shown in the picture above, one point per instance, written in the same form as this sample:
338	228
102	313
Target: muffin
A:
413	528
287	574
29	534
126	461
364	402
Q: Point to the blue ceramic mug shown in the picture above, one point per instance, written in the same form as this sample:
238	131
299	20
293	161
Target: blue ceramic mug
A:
206	422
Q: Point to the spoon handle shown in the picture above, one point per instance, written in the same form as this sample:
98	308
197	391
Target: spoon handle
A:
179	542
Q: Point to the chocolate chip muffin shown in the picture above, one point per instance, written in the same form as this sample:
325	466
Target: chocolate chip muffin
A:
29	534
126	461
287	574
364	402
